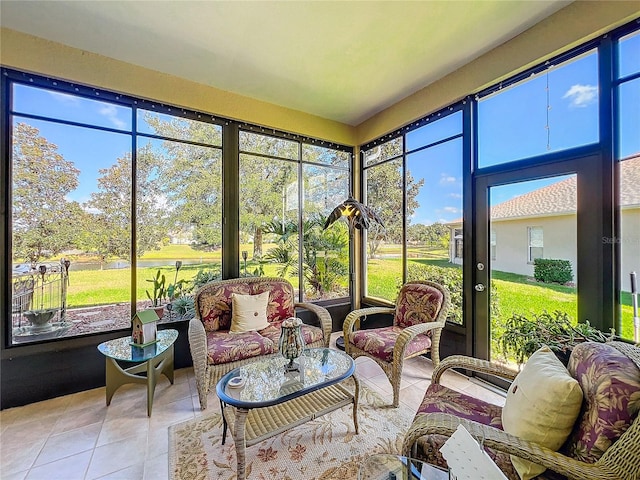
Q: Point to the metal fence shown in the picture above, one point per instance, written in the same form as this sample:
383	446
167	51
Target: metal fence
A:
39	290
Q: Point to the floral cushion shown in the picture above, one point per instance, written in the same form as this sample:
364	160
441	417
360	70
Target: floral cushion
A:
440	399
215	302
417	303
610	382
281	299
223	347
379	342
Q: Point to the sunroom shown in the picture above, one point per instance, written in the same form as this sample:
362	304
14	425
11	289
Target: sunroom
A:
127	184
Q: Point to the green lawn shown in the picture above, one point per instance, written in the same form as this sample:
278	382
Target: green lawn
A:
517	293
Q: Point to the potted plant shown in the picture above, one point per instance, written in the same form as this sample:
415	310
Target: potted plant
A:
523	335
158	293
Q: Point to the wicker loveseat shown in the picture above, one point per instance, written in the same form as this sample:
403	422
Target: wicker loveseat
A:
604	442
215	351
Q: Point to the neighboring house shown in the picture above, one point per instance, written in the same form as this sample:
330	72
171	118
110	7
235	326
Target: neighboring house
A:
542	224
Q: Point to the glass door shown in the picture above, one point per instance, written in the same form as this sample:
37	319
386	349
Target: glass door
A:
536	236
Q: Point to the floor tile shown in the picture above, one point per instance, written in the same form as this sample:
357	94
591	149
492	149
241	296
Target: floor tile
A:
73	467
69	443
79	437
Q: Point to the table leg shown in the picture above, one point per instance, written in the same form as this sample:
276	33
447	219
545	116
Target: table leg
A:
238	437
356	396
224	422
116	376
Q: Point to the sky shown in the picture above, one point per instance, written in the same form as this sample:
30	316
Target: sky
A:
519	122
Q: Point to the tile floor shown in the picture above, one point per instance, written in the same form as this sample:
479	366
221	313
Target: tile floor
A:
77	437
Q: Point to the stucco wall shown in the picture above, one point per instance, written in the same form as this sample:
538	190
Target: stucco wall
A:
559	237
629	245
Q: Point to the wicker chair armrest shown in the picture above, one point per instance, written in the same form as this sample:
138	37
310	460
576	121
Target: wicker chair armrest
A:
409	333
323	316
473	364
198	347
353	320
446	424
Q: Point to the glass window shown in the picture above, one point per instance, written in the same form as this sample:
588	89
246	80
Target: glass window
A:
69	107
178	128
426	198
446	127
71	229
270	215
271	146
385	185
536	243
549	112
629	54
380	153
629	179
629	118
325	260
72	224
327	156
178	219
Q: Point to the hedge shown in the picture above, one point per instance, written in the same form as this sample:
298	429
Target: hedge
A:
549	270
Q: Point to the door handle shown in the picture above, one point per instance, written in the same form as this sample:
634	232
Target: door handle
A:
479	287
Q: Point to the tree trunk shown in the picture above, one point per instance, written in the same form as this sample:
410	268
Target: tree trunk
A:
257	243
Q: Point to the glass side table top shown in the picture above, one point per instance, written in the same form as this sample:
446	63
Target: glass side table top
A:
266	382
121	348
392	467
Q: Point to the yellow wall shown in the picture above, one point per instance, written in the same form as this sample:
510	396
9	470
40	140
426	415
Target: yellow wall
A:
569	27
36	55
576	23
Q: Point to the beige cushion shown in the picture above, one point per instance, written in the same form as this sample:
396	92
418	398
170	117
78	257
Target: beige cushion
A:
542	406
249	312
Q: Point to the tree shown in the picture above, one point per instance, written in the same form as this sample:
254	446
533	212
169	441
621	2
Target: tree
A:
384	196
268	186
191	178
43	218
110	208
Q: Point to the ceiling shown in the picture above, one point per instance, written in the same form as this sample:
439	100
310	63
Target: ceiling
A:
341	60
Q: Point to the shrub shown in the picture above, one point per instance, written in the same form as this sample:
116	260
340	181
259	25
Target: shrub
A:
522	335
548	270
205	276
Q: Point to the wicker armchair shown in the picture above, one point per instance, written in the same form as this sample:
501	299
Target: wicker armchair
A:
215	352
418	319
620	461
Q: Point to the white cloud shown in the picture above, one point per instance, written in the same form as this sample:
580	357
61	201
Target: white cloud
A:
581	95
445	179
111	113
451	209
455	195
64	98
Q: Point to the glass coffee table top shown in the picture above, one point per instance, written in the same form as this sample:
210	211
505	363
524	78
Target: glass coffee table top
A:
267	382
396	467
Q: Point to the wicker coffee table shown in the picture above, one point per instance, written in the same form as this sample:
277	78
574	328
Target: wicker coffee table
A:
263	399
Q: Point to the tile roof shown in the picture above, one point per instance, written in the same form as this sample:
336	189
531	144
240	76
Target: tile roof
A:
561	197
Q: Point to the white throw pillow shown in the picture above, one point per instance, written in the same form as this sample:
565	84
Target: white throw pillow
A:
249	312
542	406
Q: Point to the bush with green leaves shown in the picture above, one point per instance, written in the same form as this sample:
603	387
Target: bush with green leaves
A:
205	276
549	270
523	335
451	279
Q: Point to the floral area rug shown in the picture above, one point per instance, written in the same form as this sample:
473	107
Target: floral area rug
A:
326	448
